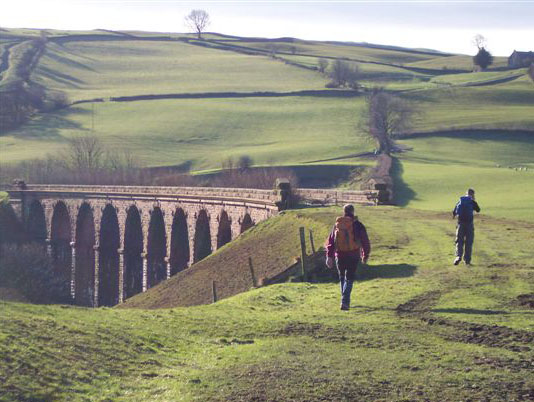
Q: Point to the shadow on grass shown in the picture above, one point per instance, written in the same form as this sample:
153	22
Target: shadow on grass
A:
366	272
403	193
49	125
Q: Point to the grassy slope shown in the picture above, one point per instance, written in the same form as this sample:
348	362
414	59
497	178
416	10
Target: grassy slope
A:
440	168
457	62
339	50
290	341
206	131
86	70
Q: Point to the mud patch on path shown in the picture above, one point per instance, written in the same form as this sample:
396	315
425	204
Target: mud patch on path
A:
526	300
419	305
480	334
495	336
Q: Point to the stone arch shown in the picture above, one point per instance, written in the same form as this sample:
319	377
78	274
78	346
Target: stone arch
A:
179	256
246	222
108	272
60	236
85	257
133	248
224	233
202	241
36	223
156	248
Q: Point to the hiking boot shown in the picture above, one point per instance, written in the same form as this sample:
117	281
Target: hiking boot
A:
468	263
344	306
457	260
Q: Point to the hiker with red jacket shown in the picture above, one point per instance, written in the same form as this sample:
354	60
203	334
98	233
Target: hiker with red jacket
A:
347	243
465	230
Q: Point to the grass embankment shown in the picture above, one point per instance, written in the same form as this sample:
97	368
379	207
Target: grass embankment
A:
290	341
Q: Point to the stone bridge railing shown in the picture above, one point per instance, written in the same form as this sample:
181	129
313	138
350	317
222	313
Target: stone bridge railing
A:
111	242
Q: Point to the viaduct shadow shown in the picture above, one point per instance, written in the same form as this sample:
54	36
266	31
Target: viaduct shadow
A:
133	247
108	272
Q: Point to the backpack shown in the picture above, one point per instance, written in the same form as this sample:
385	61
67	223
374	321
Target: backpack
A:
464	209
344	238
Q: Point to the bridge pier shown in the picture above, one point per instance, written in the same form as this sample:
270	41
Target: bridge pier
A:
73	270
144	256
96	249
121	275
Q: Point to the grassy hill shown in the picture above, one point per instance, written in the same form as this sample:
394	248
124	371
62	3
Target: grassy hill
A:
419	328
277	130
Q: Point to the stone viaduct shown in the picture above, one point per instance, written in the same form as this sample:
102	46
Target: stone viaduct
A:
112	242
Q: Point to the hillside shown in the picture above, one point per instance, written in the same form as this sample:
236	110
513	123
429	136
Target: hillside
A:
419	328
244	96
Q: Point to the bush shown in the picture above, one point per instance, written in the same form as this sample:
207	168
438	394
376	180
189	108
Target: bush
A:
28	269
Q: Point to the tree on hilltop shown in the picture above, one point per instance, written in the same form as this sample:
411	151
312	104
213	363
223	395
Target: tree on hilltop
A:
386	116
483	58
198	21
479	41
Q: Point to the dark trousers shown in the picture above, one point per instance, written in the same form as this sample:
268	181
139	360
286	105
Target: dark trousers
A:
465	234
346	268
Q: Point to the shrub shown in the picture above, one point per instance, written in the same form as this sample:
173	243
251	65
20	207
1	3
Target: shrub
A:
28	269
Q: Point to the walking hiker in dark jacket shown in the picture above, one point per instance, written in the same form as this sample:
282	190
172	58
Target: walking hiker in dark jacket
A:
347	243
465	230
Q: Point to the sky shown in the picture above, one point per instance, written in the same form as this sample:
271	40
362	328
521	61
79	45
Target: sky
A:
434	24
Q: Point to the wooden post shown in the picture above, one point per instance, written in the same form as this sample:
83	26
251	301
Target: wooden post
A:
311	242
214	291
254	283
303	253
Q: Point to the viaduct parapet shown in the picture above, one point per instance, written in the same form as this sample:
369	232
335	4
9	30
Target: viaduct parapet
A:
112	242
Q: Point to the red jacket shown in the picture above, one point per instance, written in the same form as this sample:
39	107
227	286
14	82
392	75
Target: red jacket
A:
359	233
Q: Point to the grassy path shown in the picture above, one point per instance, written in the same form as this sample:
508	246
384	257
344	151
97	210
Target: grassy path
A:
419	329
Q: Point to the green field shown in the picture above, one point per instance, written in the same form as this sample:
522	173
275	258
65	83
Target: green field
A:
87	70
459	333
440	168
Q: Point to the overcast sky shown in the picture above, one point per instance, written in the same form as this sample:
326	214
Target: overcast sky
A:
442	25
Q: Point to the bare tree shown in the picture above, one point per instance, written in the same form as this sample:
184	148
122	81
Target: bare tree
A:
197	20
85	154
479	41
344	74
322	64
385	116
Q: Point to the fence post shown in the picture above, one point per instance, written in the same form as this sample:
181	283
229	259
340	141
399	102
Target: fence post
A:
302	253
214	291
311	242
254	283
